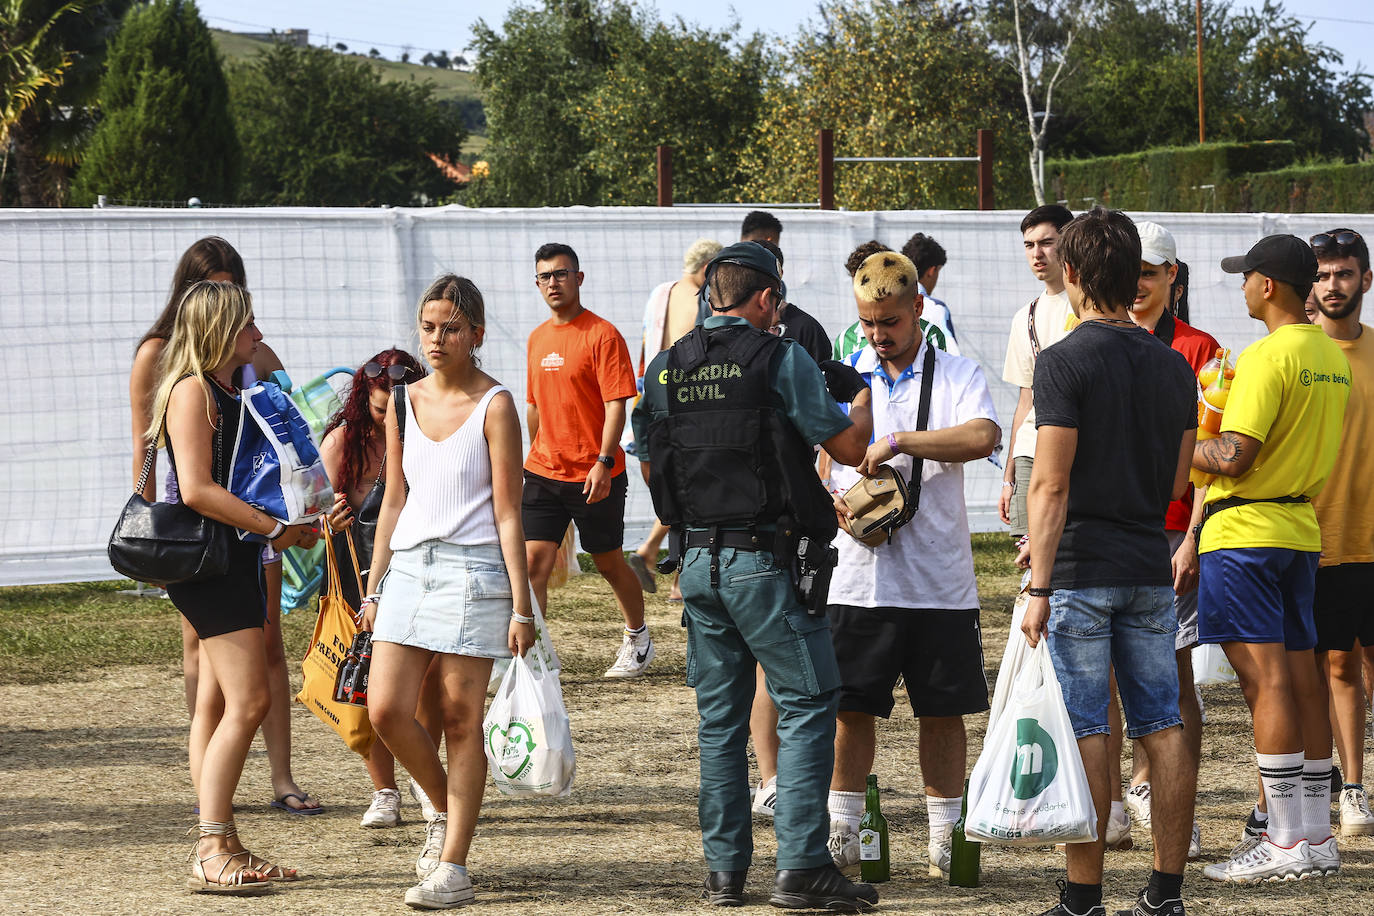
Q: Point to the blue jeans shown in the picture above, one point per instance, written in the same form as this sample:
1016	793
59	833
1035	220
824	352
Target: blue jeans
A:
754	615
1126	627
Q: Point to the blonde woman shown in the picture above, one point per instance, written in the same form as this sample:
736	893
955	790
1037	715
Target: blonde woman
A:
449	563
213	335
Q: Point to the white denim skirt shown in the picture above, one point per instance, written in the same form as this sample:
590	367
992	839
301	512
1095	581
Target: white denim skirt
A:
446	598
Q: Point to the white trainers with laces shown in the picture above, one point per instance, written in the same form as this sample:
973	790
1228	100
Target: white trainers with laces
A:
939	851
385	810
1264	861
766	798
422	799
1356	819
634	656
1119	831
1324	858
1195	843
1137	800
435	832
843	845
445	888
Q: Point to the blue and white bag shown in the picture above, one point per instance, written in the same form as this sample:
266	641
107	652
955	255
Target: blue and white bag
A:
276	465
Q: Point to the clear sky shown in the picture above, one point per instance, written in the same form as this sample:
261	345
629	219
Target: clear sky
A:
431	25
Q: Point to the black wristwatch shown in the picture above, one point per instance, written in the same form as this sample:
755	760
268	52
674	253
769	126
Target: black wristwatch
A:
608	460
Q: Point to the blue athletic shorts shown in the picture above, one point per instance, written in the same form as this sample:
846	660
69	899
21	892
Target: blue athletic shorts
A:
1258	595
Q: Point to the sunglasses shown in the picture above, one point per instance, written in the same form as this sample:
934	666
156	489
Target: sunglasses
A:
1334	240
557	276
395	371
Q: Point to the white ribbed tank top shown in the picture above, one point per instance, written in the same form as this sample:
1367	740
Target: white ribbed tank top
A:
450	483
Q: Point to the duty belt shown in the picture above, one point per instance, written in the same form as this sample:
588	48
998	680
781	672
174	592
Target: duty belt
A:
716	539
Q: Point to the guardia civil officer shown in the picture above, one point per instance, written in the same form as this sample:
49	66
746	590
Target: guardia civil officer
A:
731	414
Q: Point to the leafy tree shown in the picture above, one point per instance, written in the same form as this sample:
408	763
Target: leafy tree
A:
405	57
428	59
51	59
374	53
165	132
340	47
319	129
892	78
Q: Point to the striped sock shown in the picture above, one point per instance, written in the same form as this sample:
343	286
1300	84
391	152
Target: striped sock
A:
1282	777
1316	799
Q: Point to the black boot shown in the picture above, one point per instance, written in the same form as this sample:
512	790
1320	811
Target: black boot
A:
724	888
822	888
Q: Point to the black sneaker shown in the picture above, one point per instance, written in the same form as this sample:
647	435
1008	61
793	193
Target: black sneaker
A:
724	888
822	888
1062	909
1143	907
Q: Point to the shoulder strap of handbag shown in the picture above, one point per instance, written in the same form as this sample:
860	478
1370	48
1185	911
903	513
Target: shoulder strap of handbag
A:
922	422
152	450
399	393
1034	337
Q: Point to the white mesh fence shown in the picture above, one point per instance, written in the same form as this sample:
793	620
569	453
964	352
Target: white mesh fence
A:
332	287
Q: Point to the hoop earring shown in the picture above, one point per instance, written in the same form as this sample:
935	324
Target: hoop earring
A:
476	360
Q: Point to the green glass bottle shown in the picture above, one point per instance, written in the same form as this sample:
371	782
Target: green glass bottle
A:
964	854
874	865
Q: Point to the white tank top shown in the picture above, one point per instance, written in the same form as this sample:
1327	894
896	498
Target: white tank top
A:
450	483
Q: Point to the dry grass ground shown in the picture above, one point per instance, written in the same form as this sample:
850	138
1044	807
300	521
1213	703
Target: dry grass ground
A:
96	798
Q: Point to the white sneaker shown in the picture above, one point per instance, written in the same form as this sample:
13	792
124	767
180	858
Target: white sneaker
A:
1137	801
766	798
1356	819
1324	858
426	806
634	656
435	831
843	845
1195	843
1201	708
1264	862
939	851
444	889
385	810
1119	831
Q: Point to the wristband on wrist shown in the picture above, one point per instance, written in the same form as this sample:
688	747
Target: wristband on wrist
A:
1039	592
371	599
520	618
1009	483
892	443
276	532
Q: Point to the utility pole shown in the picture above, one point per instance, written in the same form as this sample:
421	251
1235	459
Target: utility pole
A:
1201	114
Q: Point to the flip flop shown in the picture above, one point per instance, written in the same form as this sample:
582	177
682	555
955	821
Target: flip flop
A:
641	571
281	805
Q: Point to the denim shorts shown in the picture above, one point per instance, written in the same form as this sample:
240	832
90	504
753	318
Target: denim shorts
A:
446	598
1126	627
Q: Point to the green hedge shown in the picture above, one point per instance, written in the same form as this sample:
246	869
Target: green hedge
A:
1332	188
1165	178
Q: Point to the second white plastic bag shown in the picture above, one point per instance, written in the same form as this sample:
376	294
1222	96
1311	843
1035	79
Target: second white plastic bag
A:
526	733
1028	787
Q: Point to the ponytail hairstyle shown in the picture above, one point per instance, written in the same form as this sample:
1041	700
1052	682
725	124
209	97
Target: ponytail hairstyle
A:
206	257
209	318
359	432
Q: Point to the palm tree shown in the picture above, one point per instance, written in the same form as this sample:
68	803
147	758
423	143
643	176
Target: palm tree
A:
26	66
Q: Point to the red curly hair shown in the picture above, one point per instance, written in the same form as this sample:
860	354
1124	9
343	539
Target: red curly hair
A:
356	418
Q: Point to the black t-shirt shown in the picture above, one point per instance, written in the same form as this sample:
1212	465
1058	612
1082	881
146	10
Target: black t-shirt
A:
1131	398
807	331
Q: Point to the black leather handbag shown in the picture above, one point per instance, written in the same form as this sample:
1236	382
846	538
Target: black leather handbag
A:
365	521
164	543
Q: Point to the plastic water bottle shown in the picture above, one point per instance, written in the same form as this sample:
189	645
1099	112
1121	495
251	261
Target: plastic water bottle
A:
874	865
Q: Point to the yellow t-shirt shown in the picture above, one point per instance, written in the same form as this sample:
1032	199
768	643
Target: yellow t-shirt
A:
1290	392
1345	508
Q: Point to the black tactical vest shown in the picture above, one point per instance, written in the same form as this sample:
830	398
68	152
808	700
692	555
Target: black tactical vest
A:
726	454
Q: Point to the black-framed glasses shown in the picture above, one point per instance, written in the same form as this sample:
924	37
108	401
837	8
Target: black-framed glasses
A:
396	371
558	276
1334	239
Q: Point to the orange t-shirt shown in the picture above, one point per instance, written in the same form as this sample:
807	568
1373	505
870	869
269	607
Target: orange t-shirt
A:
573	370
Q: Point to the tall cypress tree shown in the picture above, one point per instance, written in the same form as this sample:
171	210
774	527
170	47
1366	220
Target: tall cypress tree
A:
165	131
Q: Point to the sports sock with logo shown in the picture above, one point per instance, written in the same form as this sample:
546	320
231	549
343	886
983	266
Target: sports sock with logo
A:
1281	775
847	807
1316	799
643	628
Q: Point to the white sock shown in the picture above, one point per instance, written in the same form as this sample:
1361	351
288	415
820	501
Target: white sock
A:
847	807
1316	799
1281	775
460	870
1261	817
943	812
1118	812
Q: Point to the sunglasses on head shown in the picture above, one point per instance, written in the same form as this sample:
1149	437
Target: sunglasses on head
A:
395	371
1334	239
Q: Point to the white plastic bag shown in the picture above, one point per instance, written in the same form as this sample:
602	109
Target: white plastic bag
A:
1028	787
1211	667
543	648
1012	656
526	733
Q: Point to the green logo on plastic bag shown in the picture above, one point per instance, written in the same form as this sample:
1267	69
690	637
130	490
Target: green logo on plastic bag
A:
1037	760
516	747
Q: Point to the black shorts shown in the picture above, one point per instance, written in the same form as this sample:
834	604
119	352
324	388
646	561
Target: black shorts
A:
938	653
1343	606
547	506
234	601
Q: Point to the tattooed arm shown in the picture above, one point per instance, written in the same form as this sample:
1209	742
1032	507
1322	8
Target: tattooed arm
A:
1230	455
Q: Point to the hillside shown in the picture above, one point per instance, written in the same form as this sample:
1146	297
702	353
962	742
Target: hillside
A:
450	85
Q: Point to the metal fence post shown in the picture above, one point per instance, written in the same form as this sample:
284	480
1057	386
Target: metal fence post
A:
665	176
985	199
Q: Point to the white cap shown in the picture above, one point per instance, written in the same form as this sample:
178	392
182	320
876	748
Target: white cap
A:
1156	243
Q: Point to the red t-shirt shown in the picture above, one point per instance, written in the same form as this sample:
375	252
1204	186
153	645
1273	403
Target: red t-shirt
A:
1198	347
572	370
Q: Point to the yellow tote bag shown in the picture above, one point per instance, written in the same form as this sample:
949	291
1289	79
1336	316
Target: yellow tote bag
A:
334	632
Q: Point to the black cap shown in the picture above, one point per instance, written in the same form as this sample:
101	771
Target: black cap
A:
1279	257
751	254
